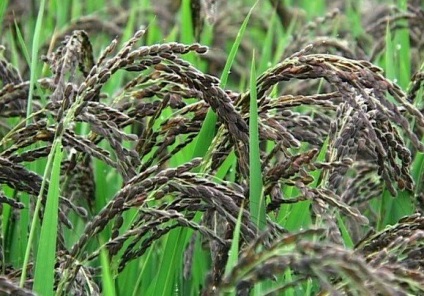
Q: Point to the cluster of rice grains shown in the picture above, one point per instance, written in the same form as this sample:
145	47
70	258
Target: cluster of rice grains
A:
367	129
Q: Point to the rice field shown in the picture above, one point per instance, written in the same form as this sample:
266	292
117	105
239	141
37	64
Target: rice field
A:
210	147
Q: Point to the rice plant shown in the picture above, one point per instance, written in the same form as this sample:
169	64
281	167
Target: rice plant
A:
211	147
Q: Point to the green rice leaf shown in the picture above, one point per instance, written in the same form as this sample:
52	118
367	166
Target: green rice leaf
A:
234	250
170	262
256	196
34	56
107	278
44	277
207	132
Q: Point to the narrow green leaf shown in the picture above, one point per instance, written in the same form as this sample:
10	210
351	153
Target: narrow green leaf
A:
234	250
187	34
206	135
267	46
207	132
143	276
107	278
3	7
22	44
227	164
200	269
345	232
234	49
402	45
289	278
389	56
119	77
170	262
34	56
46	255
256	196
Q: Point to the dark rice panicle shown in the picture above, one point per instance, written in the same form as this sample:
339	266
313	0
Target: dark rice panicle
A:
321	261
8	287
8	73
11	202
397	249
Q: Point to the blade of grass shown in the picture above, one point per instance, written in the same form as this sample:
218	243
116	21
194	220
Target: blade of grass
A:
76	9
401	41
8	234
289	278
207	132
386	200
354	17
234	250
256	197
107	279
394	208
266	52
34	56
3	6
347	239
314	8
417	170
46	255
226	165
170	261
389	56
62	9
22	44
201	263
143	275
187	33
116	82
33	77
